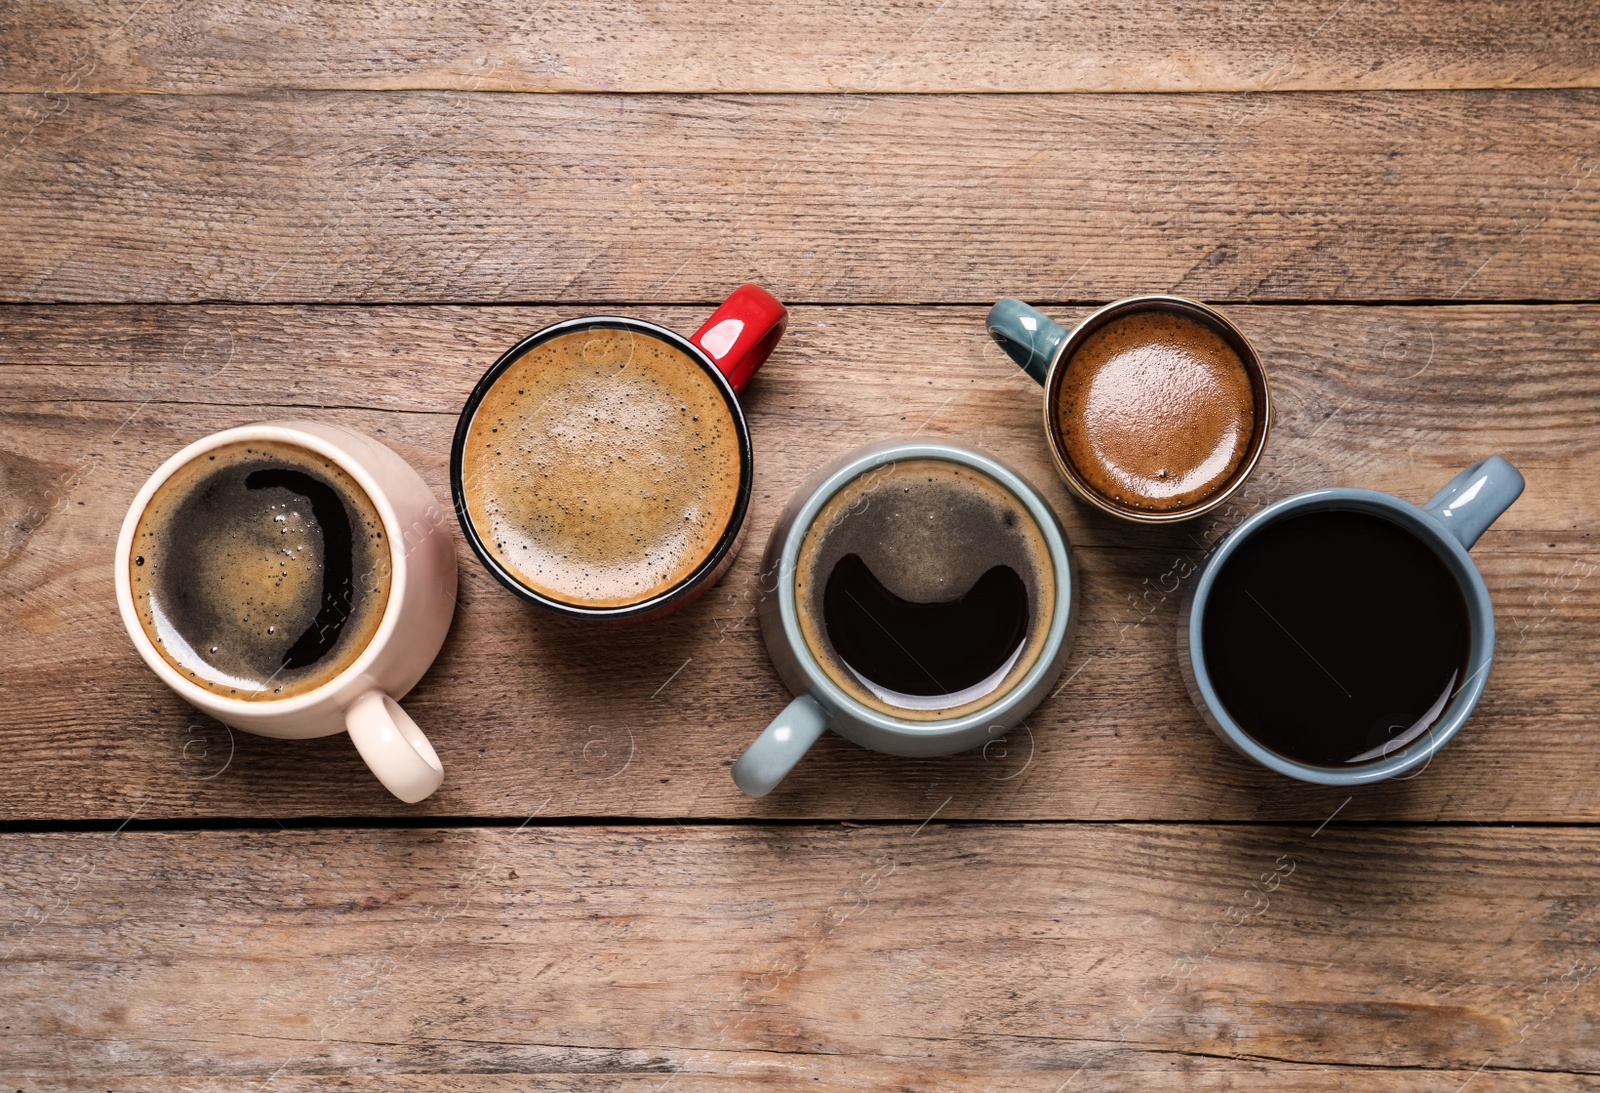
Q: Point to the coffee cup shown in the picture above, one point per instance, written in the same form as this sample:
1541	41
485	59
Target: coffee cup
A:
1156	407
1343	636
293	579
602	466
918	599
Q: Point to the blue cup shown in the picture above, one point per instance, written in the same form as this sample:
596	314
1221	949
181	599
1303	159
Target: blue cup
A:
1449	525
819	702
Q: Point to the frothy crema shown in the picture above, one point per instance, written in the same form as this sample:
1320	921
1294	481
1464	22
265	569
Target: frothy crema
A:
260	570
1155	411
602	467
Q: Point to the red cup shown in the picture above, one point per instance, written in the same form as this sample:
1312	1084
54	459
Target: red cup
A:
729	346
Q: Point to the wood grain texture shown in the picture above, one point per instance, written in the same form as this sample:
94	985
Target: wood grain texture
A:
772	45
729	958
446	197
645	722
252	205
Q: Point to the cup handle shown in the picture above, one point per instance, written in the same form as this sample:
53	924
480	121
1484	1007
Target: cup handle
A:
780	746
1029	336
1475	498
742	333
394	747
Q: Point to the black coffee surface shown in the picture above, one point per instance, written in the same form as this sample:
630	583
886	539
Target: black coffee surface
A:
1336	637
260	570
924	589
924	648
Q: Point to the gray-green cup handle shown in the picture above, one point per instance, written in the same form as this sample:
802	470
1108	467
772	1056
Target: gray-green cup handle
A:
1475	498
780	746
1028	336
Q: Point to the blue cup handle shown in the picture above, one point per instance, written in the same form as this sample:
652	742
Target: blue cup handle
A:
780	746
1475	498
1028	336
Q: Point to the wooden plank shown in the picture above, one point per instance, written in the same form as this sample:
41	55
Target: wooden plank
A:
770	45
961	957
674	45
441	197
527	709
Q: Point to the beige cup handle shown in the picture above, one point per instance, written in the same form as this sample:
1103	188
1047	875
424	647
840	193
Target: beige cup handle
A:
394	747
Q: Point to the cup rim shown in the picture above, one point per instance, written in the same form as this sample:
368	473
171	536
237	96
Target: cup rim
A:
707	565
1238	341
864	460
1480	651
290	432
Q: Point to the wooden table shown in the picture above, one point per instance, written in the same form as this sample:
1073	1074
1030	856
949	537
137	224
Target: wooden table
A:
346	212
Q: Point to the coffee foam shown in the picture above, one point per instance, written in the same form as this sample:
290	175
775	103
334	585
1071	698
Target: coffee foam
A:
927	529
602	467
232	577
1156	411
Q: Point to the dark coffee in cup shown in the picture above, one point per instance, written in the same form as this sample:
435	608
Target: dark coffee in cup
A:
924	589
1155	411
1336	637
260	570
602	468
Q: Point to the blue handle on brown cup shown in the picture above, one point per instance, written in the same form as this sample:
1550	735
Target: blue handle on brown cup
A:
1029	336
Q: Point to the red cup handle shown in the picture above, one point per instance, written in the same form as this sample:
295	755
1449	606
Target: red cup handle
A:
742	333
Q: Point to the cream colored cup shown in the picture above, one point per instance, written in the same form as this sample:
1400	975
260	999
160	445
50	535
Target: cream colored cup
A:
422	600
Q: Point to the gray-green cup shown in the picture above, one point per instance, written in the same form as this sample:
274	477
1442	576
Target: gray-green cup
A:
1448	524
820	703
